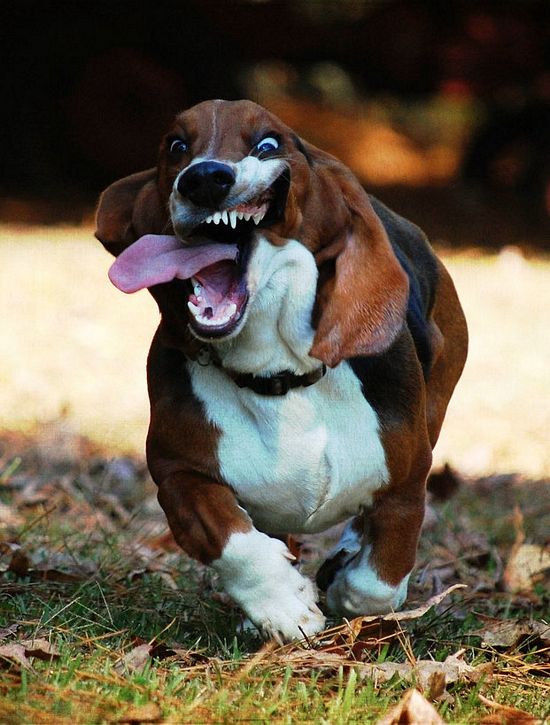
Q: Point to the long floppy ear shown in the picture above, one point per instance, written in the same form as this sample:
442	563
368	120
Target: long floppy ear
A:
363	290
128	209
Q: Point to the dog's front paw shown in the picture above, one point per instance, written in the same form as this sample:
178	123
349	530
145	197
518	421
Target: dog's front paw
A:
256	571
287	610
357	590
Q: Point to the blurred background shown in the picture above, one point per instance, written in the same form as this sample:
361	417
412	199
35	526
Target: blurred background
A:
441	109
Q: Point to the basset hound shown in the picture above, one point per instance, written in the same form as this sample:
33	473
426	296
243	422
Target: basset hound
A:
308	346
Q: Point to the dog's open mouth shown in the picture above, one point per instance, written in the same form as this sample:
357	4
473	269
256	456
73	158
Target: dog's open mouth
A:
213	260
218	293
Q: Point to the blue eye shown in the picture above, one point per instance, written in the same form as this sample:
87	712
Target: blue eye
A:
177	146
267	144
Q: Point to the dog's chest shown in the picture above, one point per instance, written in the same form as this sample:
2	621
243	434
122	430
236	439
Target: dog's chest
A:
299	462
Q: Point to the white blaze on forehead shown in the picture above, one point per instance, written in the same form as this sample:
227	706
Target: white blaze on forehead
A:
214	132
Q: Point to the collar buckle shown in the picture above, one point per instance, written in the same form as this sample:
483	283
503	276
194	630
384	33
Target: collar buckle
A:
279	384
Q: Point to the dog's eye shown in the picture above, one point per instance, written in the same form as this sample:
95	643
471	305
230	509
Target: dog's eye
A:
267	144
178	146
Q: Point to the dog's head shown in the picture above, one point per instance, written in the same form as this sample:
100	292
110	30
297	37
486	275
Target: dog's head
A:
227	171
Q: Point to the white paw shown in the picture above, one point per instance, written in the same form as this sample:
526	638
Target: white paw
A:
286	611
357	590
256	571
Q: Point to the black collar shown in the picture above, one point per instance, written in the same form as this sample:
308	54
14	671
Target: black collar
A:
277	384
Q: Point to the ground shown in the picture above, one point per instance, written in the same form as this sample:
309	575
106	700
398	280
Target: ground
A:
102	619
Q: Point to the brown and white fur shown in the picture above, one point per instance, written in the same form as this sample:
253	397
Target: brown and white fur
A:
332	276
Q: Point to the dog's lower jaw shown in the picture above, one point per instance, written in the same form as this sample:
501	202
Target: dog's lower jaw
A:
256	572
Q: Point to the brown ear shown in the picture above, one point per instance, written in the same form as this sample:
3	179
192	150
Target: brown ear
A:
128	209
362	300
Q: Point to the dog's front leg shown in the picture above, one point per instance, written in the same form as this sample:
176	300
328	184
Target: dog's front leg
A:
368	570
255	569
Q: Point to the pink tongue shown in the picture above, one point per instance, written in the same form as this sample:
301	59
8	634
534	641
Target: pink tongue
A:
155	259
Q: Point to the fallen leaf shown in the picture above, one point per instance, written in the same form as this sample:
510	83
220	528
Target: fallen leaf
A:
510	632
368	632
136	658
14	653
177	653
436	686
7	632
19	652
527	563
413	613
413	709
427	674
40	648
506	715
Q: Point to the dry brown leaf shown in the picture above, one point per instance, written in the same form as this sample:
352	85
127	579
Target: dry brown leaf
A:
6	632
509	632
14	654
40	648
19	652
135	659
150	712
360	633
407	613
506	715
436	686
427	674
527	562
413	709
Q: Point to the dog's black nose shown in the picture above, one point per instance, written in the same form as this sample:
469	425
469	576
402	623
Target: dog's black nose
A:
206	183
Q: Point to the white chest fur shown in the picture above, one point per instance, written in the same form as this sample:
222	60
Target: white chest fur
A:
300	462
311	458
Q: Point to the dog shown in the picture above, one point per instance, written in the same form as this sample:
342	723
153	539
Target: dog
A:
309	344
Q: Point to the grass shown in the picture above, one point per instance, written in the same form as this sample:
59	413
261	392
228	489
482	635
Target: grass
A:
141	634
144	635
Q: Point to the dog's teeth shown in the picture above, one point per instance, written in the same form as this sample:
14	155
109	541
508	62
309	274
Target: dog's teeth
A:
233	219
217	216
195	311
215	322
247	216
258	217
240	215
208	220
224	216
